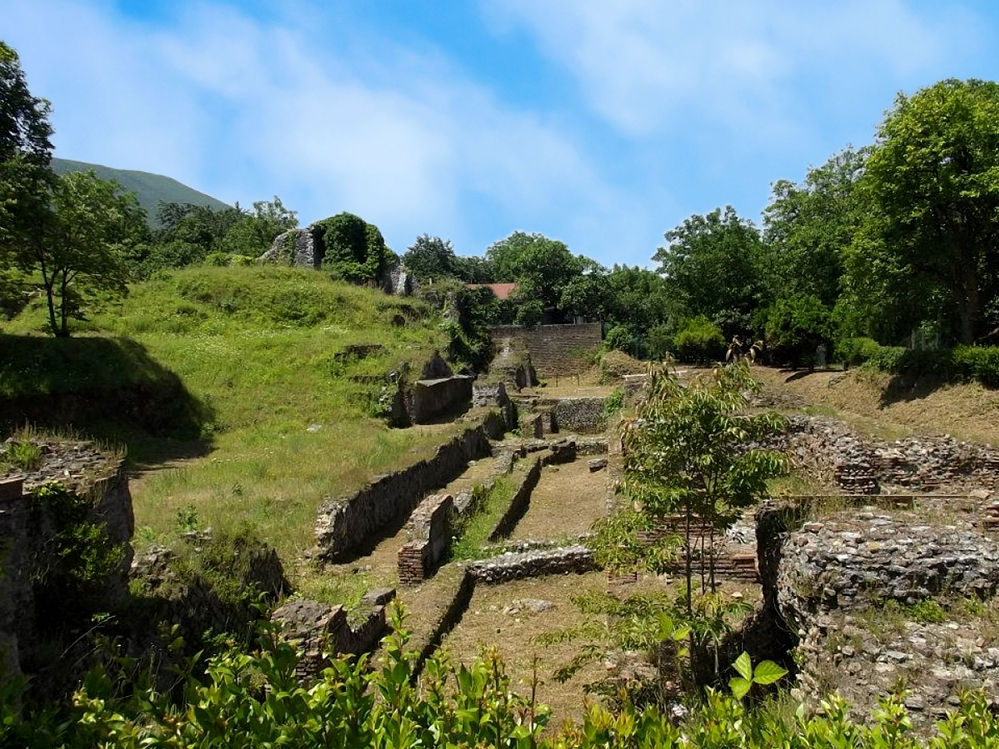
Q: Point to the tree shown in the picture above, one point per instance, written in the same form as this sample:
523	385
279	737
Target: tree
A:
79	250
540	266
431	258
713	263
809	227
686	453
25	177
796	326
933	182
253	234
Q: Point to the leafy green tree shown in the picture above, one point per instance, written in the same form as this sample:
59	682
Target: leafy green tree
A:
687	454
253	234
431	258
79	252
198	225
475	269
25	177
540	266
796	326
932	180
809	227
714	264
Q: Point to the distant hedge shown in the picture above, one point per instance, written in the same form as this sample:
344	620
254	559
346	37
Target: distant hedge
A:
959	364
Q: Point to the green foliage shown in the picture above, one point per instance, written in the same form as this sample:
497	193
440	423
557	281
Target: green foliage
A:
529	313
809	227
80	251
68	572
932	181
855	351
431	258
151	190
685	454
699	340
961	363
490	504
796	326
714	263
614	402
20	455
619	338
765	674
354	250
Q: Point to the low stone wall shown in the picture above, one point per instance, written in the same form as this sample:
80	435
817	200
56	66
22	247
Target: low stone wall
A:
833	452
429	533
513	566
519	503
581	415
320	630
345	524
448	620
432	398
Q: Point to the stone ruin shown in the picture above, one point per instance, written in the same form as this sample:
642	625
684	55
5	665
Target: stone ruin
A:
303	248
322	631
27	530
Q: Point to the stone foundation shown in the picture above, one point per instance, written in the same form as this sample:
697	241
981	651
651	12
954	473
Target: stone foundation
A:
343	525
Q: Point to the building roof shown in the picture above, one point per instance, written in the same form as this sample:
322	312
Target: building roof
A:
501	290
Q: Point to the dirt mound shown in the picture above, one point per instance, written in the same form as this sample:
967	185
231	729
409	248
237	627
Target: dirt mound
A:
616	364
878	403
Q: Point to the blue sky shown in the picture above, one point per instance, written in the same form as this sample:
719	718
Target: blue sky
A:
603	124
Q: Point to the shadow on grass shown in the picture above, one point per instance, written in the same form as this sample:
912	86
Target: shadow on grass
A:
108	389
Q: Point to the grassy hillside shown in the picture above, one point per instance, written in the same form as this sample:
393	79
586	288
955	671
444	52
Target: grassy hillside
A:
287	419
150	189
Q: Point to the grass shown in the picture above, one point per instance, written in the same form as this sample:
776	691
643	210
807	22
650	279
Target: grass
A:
281	418
491	506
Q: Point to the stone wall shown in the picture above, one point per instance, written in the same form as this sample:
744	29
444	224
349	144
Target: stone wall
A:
27	530
518	505
582	415
555	350
433	398
515	566
429	533
320	629
345	524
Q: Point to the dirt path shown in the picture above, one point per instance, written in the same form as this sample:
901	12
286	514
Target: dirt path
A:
566	501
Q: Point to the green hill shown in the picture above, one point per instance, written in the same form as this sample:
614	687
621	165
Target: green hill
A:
150	189
259	361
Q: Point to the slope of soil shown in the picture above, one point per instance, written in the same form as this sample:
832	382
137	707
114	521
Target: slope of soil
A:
877	404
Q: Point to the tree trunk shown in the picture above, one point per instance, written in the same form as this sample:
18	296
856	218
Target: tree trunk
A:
688	562
64	328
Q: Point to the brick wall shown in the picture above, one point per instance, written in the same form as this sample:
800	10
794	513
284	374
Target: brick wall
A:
555	349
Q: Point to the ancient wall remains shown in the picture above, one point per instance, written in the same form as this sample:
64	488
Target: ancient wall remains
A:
433	398
555	350
28	529
346	523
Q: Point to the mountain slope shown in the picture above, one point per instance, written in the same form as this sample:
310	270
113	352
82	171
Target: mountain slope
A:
150	189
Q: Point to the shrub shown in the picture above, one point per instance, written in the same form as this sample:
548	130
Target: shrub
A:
855	351
353	249
699	340
619	338
978	363
796	327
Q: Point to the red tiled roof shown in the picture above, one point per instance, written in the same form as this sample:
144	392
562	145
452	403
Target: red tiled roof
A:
501	290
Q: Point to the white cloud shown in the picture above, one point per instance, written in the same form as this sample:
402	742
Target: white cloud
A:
644	64
243	110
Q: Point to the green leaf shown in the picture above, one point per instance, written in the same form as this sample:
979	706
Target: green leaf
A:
768	672
739	686
744	666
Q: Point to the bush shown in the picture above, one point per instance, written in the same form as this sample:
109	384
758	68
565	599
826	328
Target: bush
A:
619	338
354	250
699	340
855	351
796	327
979	363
